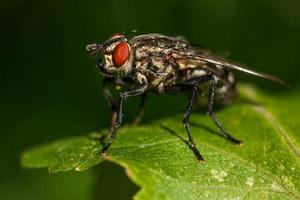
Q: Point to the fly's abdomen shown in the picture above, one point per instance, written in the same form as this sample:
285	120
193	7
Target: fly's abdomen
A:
225	90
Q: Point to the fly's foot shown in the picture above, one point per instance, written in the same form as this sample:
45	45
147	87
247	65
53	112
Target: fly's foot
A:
104	152
196	152
105	148
238	143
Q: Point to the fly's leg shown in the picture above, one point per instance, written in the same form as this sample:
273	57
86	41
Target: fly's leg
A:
123	96
193	89
186	119
191	85
214	118
137	119
112	104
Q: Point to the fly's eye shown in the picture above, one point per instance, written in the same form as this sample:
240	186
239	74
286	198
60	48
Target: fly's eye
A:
120	54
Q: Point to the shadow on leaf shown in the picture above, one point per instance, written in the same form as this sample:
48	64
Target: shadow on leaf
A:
112	183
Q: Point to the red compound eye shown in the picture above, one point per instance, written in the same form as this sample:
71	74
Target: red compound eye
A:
120	54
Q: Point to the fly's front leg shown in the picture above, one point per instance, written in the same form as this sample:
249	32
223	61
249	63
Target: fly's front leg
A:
137	119
213	117
123	96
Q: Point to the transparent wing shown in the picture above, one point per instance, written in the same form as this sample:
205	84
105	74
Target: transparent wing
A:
223	63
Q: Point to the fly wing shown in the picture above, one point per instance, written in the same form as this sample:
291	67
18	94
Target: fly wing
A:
216	61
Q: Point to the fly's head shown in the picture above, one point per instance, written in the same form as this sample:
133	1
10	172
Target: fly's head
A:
113	56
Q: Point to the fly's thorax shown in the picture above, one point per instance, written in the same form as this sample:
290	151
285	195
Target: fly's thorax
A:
152	61
158	40
154	72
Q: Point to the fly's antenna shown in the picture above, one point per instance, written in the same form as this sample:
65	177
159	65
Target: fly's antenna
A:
94	48
246	70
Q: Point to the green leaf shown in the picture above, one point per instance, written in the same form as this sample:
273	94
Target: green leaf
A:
78	154
157	158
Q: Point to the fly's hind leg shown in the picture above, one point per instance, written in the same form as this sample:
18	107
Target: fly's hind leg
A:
214	118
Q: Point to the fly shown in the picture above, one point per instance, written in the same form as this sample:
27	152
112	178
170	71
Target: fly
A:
162	64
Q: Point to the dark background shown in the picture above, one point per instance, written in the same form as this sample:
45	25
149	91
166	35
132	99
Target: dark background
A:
50	88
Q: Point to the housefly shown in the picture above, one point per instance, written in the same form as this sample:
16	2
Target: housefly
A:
162	64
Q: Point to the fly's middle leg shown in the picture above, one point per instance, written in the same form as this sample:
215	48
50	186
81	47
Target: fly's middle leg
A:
193	89
186	119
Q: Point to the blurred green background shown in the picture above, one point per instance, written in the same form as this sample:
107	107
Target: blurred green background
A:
50	88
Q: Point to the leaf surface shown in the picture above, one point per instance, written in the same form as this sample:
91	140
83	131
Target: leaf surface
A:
157	158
